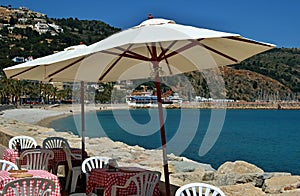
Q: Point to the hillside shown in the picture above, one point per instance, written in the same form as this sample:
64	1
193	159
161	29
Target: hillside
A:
25	33
281	64
273	75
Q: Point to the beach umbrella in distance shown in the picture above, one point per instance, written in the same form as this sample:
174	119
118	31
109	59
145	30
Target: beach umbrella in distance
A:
153	48
159	46
57	67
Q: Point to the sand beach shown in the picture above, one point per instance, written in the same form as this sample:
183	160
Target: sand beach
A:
235	178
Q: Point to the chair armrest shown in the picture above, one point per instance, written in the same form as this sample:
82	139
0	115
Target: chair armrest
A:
76	156
115	187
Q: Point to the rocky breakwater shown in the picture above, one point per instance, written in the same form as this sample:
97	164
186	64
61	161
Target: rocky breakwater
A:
237	178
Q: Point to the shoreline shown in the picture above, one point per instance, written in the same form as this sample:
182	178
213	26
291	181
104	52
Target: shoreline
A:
48	120
68	109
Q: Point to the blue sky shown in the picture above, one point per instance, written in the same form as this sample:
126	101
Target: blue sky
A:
273	21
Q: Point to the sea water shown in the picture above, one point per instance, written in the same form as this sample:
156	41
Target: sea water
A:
269	139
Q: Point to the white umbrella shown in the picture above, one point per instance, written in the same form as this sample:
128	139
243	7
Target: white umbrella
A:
45	69
159	46
155	47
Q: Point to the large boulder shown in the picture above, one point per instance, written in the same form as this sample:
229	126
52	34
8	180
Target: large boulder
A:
238	167
182	178
242	189
281	184
238	172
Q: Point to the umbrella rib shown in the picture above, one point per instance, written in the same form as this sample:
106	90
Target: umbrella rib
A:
183	48
218	52
132	55
110	68
197	42
248	41
149	50
140	57
163	53
23	71
65	67
116	61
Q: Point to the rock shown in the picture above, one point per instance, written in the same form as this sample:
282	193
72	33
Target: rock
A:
281	184
180	179
238	172
232	179
238	167
268	175
242	190
288	193
190	166
208	176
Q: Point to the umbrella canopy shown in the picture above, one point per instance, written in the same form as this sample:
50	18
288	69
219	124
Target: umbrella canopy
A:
45	68
155	47
178	49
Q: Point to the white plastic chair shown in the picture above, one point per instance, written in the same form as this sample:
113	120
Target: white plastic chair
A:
36	159
145	183
94	162
25	142
55	142
36	186
195	189
75	171
7	165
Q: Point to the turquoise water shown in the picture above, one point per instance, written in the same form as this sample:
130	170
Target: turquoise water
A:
269	139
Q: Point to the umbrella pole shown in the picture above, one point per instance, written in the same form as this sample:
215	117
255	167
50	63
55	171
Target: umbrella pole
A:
82	120
162	131
82	127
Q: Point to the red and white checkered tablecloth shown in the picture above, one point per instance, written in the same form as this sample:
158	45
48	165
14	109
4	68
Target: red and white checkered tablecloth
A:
59	155
4	179
10	155
106	179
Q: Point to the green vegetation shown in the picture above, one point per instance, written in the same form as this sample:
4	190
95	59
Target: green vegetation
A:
281	64
28	42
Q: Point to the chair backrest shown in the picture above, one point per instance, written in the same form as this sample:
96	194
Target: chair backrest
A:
94	162
67	151
70	155
36	187
37	159
145	183
194	189
25	142
55	142
7	165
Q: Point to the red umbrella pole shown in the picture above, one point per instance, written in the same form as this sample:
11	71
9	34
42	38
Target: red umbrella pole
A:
162	130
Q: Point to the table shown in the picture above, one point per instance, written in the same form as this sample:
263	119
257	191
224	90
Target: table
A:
102	177
4	179
59	155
